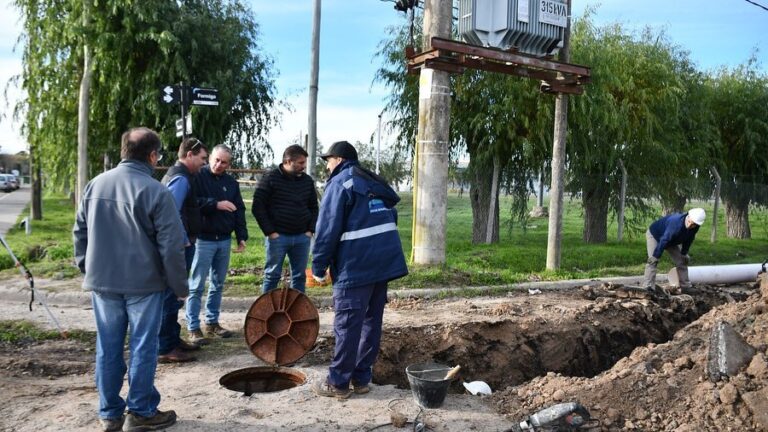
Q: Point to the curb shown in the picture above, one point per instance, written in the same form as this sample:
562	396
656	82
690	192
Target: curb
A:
19	292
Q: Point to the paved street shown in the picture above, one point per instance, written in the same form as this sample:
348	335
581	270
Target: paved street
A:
11	206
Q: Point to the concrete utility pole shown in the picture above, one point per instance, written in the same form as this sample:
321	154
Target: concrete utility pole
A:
431	181
83	111
313	78
555	232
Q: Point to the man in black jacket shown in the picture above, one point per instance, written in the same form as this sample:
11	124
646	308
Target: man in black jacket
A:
285	206
222	211
179	180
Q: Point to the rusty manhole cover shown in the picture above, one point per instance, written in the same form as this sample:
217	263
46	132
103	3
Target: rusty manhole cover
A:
281	326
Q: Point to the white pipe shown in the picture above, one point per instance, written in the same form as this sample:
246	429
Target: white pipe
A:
719	274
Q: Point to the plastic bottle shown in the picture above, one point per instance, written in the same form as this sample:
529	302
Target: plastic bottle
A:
561	417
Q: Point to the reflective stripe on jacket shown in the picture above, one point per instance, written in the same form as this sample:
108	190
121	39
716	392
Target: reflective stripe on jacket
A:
356	234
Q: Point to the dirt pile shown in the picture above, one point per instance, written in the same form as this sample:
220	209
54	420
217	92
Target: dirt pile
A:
506	342
665	386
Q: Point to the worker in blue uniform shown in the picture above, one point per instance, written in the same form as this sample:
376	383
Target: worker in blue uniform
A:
356	237
675	234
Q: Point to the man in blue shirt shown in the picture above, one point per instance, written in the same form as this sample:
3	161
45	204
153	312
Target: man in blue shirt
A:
675	234
179	179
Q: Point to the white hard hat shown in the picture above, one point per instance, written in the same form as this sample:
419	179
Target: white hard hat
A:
697	215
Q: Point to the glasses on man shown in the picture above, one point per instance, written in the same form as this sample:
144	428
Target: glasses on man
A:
197	144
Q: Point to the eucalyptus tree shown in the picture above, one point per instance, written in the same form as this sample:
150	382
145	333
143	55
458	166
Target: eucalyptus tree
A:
503	124
630	112
690	178
136	47
740	109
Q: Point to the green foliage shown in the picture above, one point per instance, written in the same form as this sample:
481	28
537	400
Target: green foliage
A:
19	332
393	164
137	47
740	107
48	251
402	103
633	110
519	256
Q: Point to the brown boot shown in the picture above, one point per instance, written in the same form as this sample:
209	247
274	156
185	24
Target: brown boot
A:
188	346
175	356
215	330
196	337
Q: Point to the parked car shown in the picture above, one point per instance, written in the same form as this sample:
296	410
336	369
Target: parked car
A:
6	184
15	182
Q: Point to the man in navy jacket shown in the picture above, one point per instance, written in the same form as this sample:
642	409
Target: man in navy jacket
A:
223	212
675	234
356	237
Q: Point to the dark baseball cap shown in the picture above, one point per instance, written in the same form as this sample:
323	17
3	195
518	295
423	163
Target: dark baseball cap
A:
342	149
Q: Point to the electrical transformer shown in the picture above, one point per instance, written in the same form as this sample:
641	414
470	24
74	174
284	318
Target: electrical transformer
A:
534	27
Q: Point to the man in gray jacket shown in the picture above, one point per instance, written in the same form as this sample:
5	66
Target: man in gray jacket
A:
129	244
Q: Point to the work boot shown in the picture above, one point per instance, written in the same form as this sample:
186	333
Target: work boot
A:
360	388
215	330
196	337
177	355
137	423
690	290
322	388
112	424
188	346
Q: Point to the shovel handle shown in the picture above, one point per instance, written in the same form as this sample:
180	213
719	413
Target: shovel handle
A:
452	373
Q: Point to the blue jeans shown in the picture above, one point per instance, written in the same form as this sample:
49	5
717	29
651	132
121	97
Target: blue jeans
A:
211	256
170	330
114	313
296	246
358	314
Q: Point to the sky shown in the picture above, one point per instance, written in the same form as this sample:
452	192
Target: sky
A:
716	32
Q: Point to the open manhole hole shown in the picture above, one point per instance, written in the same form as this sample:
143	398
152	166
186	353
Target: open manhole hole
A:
265	379
280	327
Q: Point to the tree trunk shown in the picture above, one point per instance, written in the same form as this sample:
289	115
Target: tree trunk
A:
36	206
622	201
673	204
715	210
492	226
737	218
481	175
595	202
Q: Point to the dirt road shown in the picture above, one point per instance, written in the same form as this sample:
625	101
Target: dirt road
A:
635	359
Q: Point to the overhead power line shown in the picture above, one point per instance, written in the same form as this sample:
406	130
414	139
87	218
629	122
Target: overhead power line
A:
757	4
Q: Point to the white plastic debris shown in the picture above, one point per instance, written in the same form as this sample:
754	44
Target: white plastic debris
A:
534	291
478	387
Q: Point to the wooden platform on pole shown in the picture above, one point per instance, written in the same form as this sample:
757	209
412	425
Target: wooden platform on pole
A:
456	57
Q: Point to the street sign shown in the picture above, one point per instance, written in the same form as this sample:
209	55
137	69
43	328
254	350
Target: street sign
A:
179	129
204	96
170	94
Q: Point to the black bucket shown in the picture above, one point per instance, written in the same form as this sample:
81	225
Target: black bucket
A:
428	383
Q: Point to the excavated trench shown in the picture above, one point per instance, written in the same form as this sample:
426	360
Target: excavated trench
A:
509	351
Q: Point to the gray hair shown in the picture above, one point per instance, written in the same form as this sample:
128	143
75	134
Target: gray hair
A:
224	148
